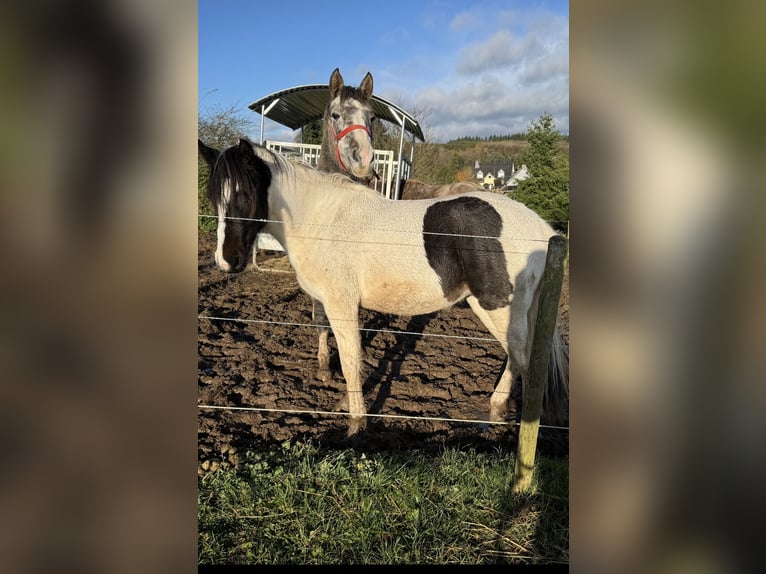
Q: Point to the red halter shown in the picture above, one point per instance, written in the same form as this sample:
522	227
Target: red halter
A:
341	135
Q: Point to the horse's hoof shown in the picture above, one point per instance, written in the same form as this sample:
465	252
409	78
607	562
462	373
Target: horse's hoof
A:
323	375
498	415
342	405
356	426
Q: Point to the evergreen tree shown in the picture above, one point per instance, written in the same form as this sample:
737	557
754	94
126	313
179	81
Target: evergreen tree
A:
312	133
546	191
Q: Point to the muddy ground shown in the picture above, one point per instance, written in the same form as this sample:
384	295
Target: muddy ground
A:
270	363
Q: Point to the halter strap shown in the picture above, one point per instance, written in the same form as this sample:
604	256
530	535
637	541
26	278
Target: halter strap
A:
343	134
350	129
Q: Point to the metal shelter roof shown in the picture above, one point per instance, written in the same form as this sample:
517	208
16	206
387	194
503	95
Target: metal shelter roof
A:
298	106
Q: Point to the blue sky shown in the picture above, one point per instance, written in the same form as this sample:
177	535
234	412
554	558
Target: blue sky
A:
462	68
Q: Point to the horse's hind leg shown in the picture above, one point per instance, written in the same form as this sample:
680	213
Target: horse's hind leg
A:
323	351
497	322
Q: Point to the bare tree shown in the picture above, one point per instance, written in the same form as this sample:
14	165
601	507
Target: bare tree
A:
218	128
222	127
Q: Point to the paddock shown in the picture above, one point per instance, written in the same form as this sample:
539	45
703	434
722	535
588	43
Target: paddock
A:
269	364
384	371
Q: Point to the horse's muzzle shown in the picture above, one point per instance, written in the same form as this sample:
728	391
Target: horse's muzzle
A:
234	263
361	172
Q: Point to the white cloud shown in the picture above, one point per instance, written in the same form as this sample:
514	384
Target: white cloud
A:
500	51
544	69
505	80
464	20
491	105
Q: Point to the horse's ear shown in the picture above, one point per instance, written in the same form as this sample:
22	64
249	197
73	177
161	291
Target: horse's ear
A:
336	84
245	147
209	154
366	86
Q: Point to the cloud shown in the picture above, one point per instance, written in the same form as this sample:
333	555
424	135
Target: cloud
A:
535	46
545	69
505	80
491	105
500	51
464	20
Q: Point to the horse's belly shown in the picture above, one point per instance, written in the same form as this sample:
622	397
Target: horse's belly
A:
404	298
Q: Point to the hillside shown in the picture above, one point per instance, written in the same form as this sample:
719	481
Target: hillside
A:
454	161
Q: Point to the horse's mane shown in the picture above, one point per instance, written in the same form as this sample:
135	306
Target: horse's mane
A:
229	166
242	175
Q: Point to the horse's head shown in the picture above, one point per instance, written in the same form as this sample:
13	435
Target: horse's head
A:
347	121
237	188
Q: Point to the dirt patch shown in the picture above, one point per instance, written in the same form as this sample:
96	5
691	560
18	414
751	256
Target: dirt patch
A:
269	362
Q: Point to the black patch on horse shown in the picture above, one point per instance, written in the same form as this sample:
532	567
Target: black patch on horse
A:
460	260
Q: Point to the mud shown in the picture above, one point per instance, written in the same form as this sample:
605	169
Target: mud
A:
264	356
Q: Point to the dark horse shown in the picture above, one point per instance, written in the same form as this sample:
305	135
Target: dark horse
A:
351	248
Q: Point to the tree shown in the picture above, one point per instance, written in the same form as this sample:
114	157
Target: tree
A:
312	133
219	129
222	127
546	191
465	173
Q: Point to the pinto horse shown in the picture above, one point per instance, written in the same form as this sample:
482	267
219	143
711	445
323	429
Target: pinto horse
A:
351	248
347	148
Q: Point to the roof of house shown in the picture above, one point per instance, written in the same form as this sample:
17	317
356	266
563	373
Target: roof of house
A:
494	167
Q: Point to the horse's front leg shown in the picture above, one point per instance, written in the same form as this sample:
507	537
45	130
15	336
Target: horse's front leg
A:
323	351
345	326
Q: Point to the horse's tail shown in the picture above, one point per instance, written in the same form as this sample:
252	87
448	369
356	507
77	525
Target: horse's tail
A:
556	397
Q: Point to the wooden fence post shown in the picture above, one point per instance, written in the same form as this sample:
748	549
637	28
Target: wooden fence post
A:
534	386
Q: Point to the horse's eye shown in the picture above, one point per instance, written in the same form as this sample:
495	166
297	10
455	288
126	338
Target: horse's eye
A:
335	116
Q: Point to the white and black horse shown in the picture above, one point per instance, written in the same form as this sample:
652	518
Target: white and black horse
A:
351	248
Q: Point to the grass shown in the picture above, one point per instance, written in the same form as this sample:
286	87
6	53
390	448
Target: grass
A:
301	505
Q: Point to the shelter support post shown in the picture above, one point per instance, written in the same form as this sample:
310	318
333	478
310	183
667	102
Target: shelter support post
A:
265	110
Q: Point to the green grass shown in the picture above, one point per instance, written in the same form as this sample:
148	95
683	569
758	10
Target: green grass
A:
302	505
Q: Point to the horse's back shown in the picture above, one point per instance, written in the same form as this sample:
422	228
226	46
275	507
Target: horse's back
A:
416	189
519	221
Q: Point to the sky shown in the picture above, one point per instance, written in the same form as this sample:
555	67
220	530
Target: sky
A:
462	68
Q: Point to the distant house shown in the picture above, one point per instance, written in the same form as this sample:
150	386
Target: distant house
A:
520	175
499	176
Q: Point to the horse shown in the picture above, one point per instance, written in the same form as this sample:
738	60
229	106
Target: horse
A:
347	129
347	135
352	248
347	140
